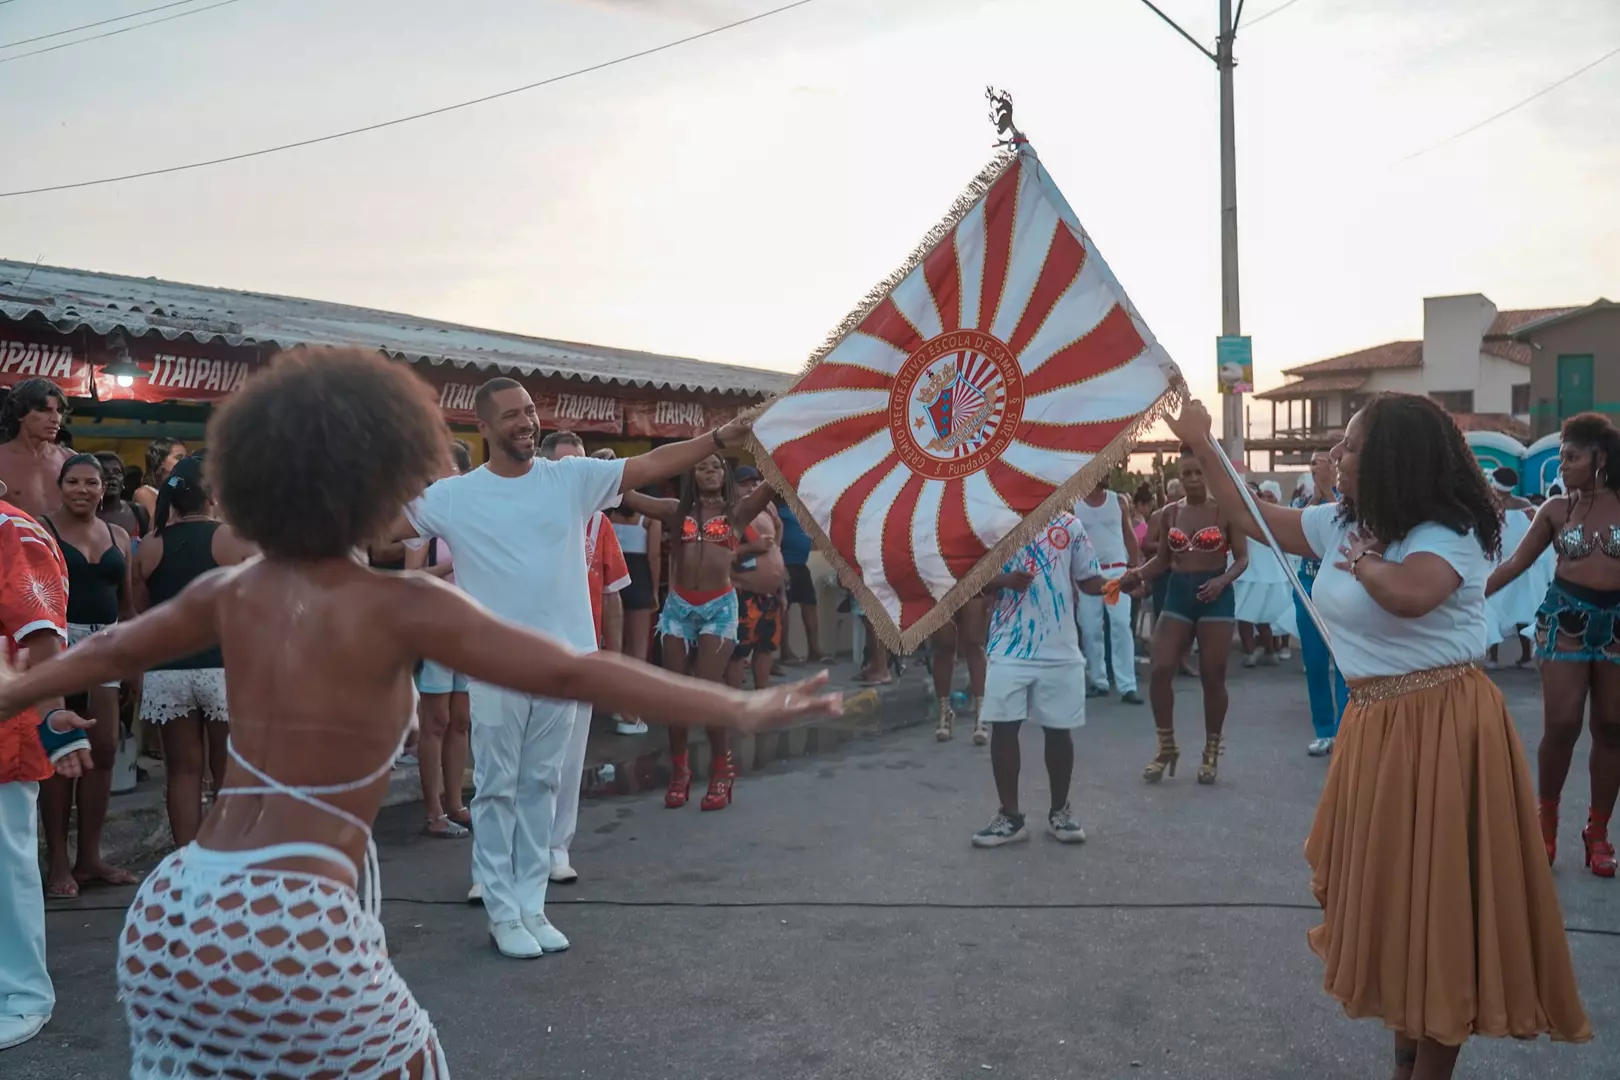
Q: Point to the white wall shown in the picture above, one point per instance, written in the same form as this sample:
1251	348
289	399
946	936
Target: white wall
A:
1453	327
1399	380
1497	377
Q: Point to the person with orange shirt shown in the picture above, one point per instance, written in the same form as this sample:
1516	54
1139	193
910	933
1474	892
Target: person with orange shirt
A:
35	744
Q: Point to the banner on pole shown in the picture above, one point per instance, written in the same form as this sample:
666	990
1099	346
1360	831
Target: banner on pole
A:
1234	362
987	384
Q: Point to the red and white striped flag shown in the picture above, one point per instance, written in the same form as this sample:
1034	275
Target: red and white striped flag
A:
986	385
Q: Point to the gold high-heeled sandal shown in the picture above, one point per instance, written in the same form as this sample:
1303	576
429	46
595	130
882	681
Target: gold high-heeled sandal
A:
1211	762
1165	761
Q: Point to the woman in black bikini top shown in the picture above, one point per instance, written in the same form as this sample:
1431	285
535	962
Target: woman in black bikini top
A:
98	559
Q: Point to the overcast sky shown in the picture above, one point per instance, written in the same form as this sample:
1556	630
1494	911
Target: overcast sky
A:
732	199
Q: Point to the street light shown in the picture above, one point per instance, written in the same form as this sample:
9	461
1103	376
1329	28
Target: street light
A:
122	369
1231	320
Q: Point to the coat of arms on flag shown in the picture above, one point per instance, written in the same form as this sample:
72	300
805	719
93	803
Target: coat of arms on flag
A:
983	387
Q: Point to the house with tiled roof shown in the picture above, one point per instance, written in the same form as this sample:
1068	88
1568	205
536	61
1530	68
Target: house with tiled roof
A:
1472	359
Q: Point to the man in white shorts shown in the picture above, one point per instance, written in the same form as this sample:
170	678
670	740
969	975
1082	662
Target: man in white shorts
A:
517	527
1035	671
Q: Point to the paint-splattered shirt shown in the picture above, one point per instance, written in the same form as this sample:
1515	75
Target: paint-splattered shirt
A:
1038	623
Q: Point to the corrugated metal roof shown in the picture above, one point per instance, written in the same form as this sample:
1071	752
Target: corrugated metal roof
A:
1318	384
69	299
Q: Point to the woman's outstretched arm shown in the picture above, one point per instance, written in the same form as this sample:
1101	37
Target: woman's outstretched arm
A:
448	627
1194	428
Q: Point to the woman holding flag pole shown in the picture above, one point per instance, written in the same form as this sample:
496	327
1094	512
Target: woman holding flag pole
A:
1426	843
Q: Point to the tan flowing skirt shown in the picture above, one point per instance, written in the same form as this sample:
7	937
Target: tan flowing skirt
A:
1439	914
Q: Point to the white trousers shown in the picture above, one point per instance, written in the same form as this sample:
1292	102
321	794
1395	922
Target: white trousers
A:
25	984
1095	614
518	745
566	819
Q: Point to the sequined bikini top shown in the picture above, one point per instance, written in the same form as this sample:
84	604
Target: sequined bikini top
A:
1573	542
1208	539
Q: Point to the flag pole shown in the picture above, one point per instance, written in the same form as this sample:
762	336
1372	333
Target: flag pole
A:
1265	531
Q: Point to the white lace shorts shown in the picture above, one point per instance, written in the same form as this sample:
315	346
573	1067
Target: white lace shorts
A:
169	695
230	971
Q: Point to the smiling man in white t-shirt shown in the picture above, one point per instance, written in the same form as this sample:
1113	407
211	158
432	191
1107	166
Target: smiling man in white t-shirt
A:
1035	671
517	527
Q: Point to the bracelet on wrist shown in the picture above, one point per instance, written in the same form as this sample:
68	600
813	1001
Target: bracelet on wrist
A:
714	433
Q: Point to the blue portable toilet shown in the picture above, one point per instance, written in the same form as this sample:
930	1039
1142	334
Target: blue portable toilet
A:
1494	450
1540	470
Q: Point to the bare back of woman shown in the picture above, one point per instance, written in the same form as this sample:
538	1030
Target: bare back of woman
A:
257	950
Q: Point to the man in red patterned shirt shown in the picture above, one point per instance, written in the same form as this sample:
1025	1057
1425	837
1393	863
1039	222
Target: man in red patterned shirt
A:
33	744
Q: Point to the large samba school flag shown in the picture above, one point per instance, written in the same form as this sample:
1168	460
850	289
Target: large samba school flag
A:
986	385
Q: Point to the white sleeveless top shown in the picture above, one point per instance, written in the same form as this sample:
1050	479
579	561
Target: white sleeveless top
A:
632	538
1105	525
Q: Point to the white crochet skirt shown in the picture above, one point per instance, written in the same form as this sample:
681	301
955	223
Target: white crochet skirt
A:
226	971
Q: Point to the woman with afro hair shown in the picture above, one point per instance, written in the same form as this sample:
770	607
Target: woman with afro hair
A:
1439	915
256	950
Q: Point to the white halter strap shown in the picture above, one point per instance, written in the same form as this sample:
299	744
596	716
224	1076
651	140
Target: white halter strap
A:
371	875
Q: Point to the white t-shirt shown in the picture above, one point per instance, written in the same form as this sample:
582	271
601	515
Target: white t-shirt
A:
1369	641
520	541
1038	623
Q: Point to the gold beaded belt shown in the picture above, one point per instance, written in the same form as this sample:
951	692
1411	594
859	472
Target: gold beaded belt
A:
1384	687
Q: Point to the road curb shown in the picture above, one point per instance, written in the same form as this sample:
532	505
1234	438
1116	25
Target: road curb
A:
868	712
137	826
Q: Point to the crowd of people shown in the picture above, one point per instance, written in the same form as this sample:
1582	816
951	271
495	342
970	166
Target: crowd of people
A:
250	639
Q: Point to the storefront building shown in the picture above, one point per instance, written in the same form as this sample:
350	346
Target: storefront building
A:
141	358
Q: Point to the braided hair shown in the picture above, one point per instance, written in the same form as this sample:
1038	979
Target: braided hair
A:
1415	467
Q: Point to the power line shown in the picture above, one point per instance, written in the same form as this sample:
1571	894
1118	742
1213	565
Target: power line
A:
1545	90
414	116
1263	16
92	26
112	33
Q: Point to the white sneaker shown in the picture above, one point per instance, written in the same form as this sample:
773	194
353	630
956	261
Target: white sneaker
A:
549	938
1320	747
514	940
1251	659
475	895
629	727
16	1030
563	874
1286	654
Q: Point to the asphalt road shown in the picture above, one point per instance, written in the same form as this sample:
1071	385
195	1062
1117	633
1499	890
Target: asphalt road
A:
835	922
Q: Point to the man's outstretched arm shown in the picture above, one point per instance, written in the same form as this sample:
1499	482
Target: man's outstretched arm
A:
663	462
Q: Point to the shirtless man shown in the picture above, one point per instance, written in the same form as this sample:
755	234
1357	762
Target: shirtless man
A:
758	573
30	457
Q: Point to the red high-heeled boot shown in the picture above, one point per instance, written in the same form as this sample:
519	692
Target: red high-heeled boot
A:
1599	851
680	783
721	776
1549	827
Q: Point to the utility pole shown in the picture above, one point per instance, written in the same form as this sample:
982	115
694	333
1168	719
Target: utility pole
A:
1231	314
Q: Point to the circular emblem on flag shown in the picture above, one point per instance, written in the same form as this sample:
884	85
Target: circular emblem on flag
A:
956	404
1058	537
